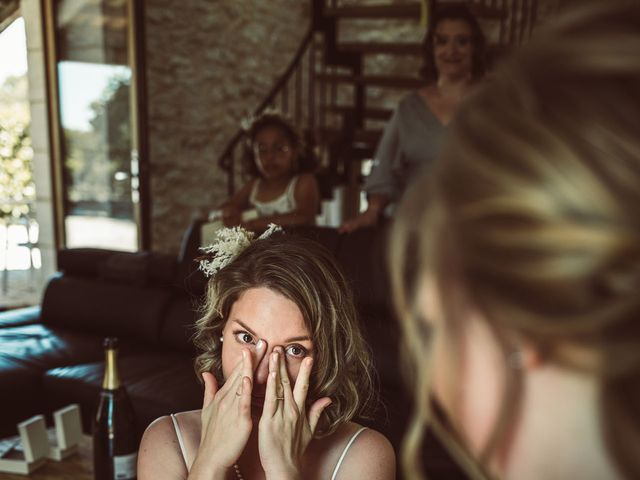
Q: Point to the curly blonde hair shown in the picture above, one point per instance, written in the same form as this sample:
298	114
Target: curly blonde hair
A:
531	213
306	273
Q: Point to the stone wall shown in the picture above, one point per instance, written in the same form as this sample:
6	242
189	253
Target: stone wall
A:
207	64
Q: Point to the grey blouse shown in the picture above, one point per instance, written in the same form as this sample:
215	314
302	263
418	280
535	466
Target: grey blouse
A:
411	140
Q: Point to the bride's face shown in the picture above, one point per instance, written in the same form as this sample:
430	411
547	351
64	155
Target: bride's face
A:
260	314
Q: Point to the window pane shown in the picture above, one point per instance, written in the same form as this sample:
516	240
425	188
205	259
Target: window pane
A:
94	83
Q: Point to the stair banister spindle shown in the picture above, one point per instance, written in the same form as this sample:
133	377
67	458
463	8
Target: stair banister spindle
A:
311	105
533	4
503	23
323	92
333	88
299	92
513	23
284	98
231	174
524	19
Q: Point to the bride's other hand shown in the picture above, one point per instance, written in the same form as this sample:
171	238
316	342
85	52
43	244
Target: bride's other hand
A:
286	427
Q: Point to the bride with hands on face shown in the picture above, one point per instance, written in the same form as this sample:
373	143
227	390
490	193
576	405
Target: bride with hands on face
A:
285	370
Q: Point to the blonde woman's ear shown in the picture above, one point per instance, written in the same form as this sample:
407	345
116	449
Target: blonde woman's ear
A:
525	356
531	357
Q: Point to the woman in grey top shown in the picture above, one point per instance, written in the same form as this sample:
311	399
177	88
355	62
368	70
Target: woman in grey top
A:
454	61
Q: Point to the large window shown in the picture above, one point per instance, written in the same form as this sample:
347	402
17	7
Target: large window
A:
94	78
19	252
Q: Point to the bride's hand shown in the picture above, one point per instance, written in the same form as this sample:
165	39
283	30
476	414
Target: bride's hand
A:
226	418
286	427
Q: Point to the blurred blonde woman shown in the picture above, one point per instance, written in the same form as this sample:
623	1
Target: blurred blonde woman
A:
516	263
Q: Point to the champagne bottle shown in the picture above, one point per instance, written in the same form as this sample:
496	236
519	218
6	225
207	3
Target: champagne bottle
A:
114	438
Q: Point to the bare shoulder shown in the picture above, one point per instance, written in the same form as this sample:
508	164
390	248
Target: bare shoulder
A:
307	193
370	454
160	456
306	181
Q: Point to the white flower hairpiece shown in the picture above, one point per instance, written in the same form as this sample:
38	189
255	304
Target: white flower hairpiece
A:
228	245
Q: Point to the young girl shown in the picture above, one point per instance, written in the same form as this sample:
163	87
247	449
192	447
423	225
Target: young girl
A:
281	193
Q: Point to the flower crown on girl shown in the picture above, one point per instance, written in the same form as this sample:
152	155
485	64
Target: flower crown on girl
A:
230	242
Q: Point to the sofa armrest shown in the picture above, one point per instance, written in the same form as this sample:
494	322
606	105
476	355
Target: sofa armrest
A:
20	316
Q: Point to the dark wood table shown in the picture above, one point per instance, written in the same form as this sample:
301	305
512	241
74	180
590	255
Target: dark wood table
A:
78	466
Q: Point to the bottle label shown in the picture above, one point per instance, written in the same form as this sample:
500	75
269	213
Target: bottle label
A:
124	466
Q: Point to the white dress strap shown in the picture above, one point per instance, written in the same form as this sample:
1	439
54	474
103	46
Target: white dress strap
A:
254	191
180	439
291	189
344	452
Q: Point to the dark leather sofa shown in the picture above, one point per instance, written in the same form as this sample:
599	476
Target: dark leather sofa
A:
52	355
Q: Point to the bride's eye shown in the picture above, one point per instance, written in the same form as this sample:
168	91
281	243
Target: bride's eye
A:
244	337
297	351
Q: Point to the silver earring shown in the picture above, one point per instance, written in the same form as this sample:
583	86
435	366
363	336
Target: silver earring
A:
221	339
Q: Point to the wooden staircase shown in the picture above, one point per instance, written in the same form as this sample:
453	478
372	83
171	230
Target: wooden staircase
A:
326	87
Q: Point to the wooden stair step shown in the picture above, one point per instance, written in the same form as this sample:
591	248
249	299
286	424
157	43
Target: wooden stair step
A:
486	12
361	138
369	112
389	81
383	11
380	47
363	152
406	10
405	48
371	137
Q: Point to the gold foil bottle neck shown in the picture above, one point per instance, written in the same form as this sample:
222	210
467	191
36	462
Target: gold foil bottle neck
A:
111	379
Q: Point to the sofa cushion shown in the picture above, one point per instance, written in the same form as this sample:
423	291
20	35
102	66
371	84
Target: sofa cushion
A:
40	347
179	323
26	352
20	316
125	268
83	262
362	255
21	396
326	236
132	268
158	384
194	283
104	308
